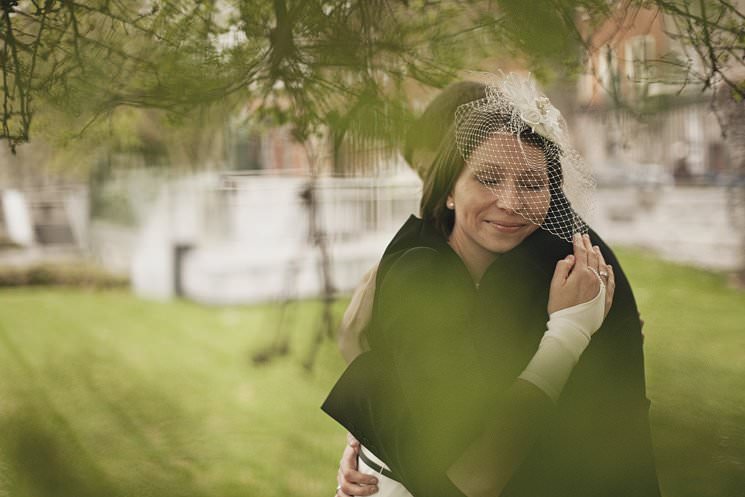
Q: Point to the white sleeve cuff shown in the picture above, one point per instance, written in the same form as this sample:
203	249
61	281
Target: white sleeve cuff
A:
567	337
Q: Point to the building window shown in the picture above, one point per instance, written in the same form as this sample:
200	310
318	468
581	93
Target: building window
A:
639	52
608	69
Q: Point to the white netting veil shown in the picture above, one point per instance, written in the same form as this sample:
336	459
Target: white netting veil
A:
517	145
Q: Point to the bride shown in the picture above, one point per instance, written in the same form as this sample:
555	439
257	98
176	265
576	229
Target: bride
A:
481	377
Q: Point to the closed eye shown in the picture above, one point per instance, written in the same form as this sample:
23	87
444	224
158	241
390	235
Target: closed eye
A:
488	179
533	185
532	182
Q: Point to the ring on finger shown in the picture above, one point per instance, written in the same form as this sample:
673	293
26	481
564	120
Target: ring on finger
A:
598	274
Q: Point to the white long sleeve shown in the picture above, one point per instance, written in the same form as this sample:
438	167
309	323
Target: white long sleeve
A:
568	335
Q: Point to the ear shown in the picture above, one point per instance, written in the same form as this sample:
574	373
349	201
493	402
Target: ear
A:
450	202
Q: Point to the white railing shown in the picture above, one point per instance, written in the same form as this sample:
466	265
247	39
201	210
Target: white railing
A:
236	238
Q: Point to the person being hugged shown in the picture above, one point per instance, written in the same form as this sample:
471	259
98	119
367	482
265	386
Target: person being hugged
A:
504	341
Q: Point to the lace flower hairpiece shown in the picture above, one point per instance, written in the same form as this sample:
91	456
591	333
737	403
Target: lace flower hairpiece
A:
547	189
530	105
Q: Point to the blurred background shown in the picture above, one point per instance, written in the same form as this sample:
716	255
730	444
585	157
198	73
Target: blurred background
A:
190	191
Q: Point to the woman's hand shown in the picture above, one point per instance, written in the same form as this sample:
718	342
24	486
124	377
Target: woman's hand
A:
577	277
352	482
580	296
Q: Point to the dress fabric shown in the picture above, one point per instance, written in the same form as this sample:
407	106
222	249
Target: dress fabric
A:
387	486
442	352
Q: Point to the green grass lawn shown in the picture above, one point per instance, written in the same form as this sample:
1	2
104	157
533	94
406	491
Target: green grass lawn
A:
695	363
103	394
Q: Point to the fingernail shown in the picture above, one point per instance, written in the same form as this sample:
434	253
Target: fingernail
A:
570	257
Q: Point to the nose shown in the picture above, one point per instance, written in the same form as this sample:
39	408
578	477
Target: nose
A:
508	198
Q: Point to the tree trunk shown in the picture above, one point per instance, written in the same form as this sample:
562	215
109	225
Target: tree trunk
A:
731	111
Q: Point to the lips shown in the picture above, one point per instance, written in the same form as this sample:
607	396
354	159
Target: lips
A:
505	226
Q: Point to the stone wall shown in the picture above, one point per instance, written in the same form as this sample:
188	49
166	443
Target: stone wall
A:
694	225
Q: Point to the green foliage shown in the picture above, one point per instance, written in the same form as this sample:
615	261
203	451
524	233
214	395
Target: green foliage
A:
711	35
349	65
338	67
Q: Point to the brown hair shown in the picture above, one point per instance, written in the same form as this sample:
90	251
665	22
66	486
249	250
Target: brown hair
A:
428	131
433	132
439	182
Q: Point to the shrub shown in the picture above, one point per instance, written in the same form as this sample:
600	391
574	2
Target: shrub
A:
80	274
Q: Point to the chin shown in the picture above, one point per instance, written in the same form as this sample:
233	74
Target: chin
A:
502	246
506	242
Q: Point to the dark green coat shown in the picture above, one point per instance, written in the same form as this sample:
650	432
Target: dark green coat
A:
442	352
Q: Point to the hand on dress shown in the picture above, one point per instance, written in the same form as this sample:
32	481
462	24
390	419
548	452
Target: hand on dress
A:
352	482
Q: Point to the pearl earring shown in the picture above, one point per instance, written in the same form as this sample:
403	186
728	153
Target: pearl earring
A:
451	205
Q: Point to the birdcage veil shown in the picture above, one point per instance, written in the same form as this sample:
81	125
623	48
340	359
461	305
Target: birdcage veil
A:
517	144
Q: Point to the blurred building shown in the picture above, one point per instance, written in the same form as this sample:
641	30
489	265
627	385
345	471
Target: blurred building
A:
638	116
43	214
669	181
250	149
231	237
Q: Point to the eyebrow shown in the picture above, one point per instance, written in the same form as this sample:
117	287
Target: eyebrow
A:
478	170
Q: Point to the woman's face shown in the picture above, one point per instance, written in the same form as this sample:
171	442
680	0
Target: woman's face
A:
500	197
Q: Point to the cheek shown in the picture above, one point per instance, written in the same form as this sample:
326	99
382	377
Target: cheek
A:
530	229
536	207
472	198
479	204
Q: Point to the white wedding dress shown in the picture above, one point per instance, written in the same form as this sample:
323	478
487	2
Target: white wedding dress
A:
387	487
